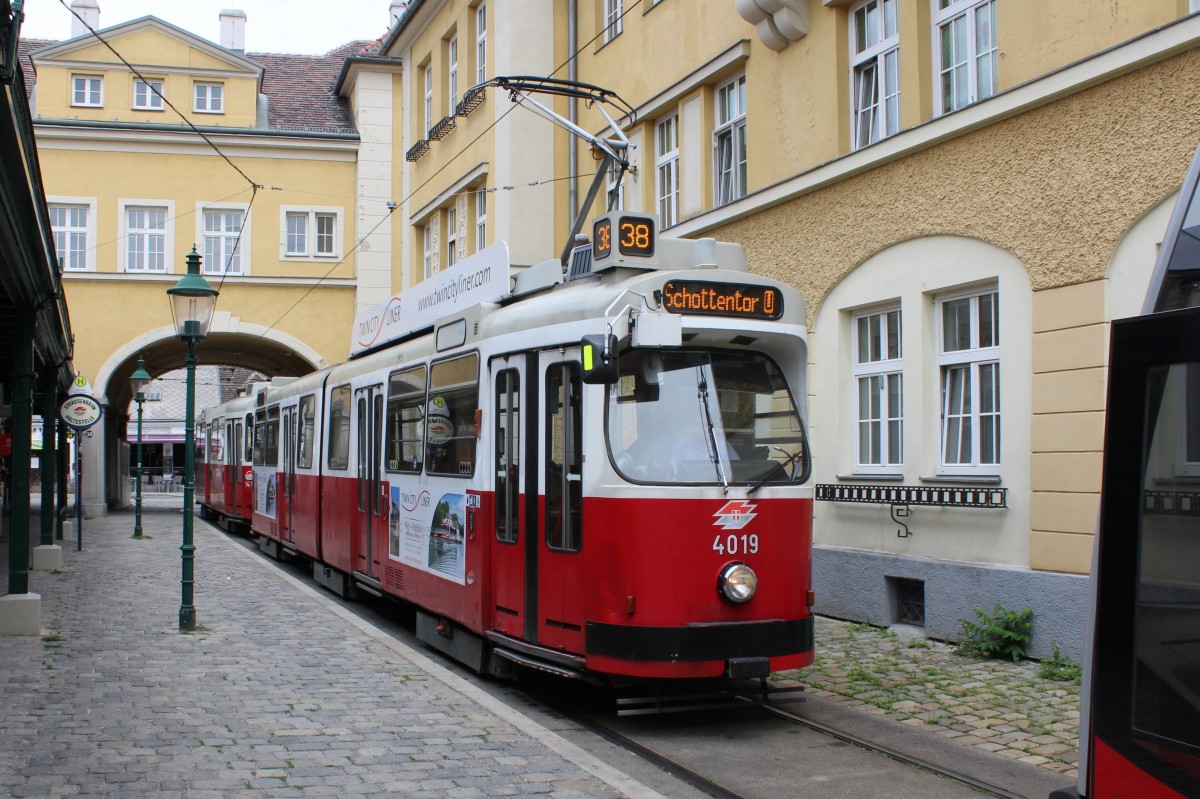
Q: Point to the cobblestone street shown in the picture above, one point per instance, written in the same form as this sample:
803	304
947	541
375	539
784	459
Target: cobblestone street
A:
996	705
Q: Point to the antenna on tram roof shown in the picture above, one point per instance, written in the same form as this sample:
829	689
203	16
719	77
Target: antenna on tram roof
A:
609	151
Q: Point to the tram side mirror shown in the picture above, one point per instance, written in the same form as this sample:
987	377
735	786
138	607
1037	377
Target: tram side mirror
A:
599	359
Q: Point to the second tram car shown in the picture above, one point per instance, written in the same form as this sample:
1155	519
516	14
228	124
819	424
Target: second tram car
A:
225	479
598	470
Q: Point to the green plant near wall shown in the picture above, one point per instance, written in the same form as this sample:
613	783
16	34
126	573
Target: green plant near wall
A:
1060	667
1001	634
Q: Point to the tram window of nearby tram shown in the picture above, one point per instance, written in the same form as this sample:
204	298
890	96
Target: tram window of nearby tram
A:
307	425
450	416
564	460
339	428
405	426
1166	684
249	452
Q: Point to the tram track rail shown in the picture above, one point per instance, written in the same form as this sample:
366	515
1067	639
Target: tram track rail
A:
706	785
986	788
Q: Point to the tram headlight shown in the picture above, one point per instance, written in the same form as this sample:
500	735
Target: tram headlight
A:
737	583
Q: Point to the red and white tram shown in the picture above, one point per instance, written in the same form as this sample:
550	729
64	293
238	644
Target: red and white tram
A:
599	470
225	480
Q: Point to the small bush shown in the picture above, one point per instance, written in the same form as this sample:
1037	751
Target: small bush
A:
1060	667
1002	634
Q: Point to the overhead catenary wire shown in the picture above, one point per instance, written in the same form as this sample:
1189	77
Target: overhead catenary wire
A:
391	205
463	149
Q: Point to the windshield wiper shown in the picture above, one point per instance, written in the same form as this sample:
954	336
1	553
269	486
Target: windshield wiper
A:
777	466
713	453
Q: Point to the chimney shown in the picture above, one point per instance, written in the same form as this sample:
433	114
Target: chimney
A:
233	29
395	10
89	12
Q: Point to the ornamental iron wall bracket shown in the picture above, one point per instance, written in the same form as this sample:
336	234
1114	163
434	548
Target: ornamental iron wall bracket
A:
901	498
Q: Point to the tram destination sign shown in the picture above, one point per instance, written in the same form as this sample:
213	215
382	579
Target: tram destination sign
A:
740	300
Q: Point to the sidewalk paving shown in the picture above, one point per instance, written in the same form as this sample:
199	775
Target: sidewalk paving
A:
278	693
272	698
995	705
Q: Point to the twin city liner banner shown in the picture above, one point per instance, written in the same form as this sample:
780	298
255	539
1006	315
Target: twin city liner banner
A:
481	278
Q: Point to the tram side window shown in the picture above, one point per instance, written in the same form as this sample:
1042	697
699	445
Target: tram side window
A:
564	459
405	421
339	428
249	456
235	444
508	455
259	452
216	451
307	425
450	416
271	455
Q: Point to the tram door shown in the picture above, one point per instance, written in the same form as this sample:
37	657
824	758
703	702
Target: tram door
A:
371	519
560	524
231	470
511	557
287	488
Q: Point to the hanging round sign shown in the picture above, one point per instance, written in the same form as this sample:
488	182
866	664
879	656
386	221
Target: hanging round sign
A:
80	411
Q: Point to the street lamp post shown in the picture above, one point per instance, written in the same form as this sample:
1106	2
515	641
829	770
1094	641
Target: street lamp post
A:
138	381
192	303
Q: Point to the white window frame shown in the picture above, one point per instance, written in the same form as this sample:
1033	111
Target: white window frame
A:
873	379
145	96
427	78
614	189
86	260
452	73
614	19
966	86
729	181
452	235
666	170
874	71
167	234
978	364
312	237
480	43
204	237
91	85
208	97
427	240
480	218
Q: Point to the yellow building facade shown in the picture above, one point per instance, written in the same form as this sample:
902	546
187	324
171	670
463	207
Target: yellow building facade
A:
154	141
966	191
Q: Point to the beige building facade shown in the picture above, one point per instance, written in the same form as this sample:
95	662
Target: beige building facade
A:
154	141
966	191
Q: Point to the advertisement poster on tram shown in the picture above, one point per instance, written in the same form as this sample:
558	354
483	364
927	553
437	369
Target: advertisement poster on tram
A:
428	534
264	495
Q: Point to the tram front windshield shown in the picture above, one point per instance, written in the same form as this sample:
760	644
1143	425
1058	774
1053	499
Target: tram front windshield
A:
704	417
